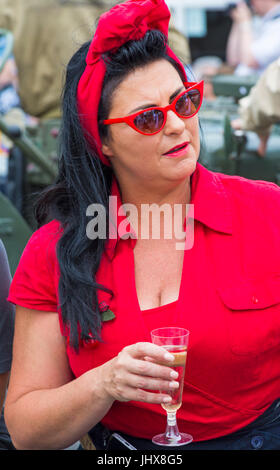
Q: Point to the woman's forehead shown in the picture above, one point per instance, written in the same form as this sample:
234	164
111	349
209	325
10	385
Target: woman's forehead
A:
147	84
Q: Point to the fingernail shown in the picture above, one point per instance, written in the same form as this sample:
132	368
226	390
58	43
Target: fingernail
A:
169	357
167	399
174	374
173	384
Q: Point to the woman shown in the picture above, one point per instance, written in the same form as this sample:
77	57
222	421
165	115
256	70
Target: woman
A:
87	365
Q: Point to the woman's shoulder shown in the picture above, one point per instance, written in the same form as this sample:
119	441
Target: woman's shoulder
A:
42	243
49	232
3	253
248	192
35	280
5	274
242	182
254	205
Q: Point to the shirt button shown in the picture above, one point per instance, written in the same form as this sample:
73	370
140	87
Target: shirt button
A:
257	442
255	300
90	343
103	306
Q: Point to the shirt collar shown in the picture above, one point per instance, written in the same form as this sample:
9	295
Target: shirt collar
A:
211	200
208	195
119	227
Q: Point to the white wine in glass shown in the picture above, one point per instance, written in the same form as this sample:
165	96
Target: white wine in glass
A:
174	340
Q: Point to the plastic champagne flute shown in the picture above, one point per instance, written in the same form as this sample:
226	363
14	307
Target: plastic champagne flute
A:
174	340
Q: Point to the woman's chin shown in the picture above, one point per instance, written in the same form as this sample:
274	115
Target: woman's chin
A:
181	168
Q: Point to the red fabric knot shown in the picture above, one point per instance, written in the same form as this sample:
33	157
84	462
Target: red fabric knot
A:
127	21
90	343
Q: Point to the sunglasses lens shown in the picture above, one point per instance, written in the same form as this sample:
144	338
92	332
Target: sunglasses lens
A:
149	122
188	103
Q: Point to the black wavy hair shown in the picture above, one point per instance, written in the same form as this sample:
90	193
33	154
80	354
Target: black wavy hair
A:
83	180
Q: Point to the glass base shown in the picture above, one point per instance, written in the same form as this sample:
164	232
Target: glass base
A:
181	440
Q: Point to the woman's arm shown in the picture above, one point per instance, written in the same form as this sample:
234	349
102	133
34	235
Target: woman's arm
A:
239	46
232	49
246	41
46	408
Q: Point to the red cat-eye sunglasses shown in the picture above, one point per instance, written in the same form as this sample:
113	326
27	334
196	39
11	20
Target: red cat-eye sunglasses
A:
150	121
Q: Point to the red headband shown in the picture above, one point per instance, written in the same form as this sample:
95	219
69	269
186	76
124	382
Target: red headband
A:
124	22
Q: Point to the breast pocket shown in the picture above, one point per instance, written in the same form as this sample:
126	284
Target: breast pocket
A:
253	315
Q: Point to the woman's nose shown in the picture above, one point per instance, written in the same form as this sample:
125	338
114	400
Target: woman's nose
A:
174	124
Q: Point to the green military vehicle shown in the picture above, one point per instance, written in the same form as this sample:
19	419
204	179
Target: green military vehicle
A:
230	151
46	33
30	166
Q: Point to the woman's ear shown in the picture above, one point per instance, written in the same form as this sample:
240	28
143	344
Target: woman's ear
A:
106	149
106	145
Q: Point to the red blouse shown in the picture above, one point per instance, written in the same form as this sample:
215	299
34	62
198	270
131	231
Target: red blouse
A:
229	300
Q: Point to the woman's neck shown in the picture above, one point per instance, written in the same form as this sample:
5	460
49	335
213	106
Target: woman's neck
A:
157	209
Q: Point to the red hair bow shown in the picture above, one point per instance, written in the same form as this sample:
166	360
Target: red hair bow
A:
127	21
124	22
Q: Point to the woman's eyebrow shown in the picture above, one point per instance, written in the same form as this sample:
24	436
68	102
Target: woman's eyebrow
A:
149	105
176	93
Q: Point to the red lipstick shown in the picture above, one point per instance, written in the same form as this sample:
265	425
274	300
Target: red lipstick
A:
177	151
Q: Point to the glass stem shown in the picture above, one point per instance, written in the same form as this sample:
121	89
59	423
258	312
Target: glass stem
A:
172	431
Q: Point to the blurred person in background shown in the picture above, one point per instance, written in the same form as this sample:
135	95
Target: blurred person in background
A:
250	48
11	112
261	108
253	45
46	34
7	317
10	107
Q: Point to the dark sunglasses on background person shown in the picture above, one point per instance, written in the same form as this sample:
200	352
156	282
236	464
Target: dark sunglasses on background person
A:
150	121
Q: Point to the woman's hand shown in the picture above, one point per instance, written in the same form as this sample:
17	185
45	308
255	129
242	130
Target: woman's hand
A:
241	13
138	368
